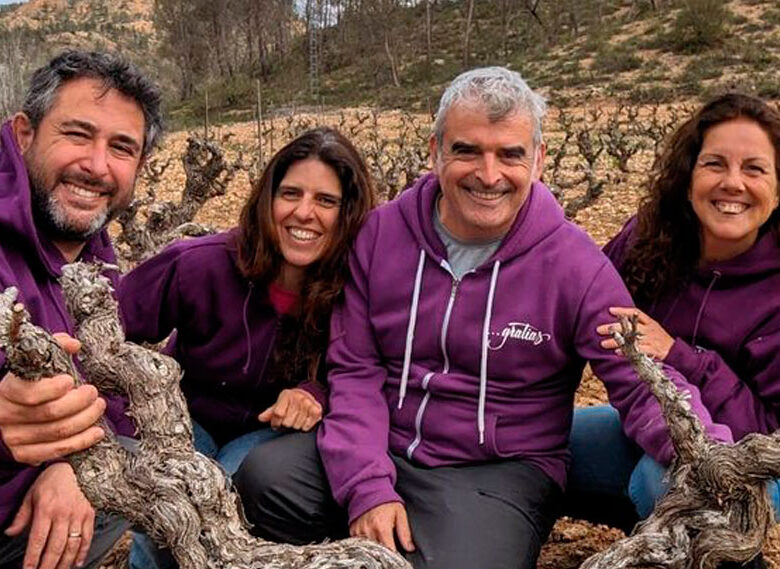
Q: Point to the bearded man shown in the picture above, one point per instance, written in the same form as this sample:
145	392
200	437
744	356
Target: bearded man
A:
68	164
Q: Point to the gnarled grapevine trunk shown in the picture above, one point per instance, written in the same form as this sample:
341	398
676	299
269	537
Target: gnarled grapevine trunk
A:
182	499
717	508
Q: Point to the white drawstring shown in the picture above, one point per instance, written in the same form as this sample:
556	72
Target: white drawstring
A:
483	359
410	329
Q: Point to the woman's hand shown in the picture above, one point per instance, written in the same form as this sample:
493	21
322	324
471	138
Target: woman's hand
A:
653	339
294	409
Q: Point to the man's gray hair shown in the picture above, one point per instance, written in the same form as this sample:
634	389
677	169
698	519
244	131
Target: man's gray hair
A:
112	70
497	90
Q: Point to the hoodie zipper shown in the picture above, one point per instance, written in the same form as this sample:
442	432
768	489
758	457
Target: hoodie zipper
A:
446	324
427	378
418	418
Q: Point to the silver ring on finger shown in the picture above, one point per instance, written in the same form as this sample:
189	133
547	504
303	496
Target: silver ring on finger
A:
74	535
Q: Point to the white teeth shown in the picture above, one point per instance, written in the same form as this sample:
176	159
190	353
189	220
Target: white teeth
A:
82	192
302	234
486	195
730	207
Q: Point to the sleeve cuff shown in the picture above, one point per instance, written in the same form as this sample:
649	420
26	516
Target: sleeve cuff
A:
318	391
370	494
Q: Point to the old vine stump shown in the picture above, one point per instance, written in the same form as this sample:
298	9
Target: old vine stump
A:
181	498
717	508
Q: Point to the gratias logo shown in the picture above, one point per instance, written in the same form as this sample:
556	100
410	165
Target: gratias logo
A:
521	331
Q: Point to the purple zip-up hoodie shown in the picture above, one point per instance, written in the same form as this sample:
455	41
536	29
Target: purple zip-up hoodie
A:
225	330
445	371
32	263
726	324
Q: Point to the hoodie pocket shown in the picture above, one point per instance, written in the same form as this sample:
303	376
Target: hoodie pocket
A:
491	437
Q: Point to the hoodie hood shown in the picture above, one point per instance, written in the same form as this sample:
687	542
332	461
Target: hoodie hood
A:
758	262
539	216
16	217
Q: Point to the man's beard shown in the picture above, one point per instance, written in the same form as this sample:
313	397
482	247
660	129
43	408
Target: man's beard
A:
52	217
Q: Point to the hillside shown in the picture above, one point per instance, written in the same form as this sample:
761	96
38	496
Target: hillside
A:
123	25
575	50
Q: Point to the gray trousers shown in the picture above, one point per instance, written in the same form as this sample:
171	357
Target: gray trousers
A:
493	515
108	530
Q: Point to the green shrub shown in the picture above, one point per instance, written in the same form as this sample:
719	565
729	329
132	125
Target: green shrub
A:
616	60
768	86
700	24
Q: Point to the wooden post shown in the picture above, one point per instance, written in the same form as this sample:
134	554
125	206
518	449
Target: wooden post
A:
206	118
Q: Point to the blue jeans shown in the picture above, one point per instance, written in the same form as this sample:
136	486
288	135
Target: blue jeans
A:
144	554
605	463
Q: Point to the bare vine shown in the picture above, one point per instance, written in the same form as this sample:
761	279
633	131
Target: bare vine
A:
181	498
717	508
208	175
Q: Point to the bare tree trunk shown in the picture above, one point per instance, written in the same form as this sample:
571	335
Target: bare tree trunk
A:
181	498
207	173
532	7
391	59
428	32
467	35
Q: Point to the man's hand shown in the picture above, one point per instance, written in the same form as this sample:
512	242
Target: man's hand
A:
61	520
294	409
382	523
50	418
653	339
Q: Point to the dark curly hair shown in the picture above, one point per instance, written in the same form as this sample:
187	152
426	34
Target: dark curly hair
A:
665	247
302	341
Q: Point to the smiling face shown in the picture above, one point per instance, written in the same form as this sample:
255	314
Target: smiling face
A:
485	170
733	187
82	159
305	212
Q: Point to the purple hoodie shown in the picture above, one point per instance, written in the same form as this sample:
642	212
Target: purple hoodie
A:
31	263
445	372
225	330
726	324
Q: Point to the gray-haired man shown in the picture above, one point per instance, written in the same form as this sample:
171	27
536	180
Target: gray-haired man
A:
68	164
471	309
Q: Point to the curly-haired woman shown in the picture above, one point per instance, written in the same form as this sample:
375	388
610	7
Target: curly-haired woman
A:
702	261
250	307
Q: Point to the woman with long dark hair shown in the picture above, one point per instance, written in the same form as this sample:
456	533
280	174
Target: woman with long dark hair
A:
250	307
702	261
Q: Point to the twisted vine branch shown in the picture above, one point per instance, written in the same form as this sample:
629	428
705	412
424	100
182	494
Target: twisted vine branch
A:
181	498
717	508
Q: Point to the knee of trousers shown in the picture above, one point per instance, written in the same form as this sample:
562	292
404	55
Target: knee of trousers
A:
276	468
259	473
